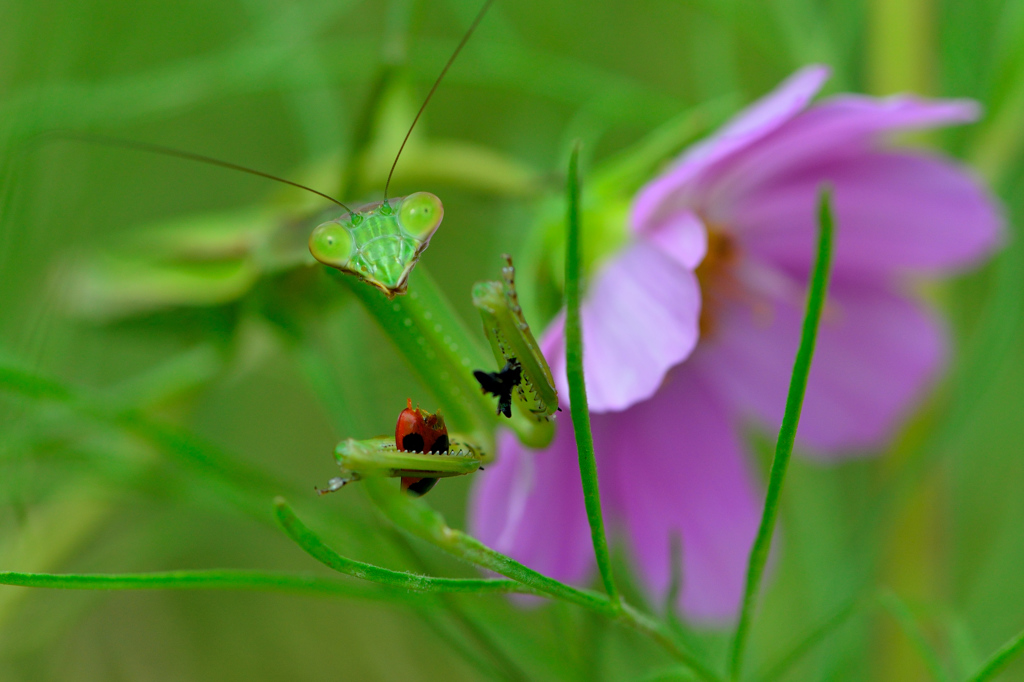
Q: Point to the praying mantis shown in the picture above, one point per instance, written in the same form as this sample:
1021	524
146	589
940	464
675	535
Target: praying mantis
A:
379	244
526	372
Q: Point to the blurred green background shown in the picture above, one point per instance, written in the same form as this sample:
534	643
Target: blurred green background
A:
277	365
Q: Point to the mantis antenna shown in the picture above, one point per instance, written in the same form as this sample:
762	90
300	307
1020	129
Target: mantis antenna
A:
451	60
170	151
379	243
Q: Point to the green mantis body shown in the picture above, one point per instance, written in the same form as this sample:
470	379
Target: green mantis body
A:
511	342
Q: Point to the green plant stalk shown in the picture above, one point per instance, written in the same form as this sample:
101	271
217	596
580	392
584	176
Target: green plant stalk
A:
315	547
816	294
509	668
812	639
237	480
1000	659
438	627
247	488
661	634
416	518
411	515
906	622
577	384
900	51
420	520
997	145
234	481
263	581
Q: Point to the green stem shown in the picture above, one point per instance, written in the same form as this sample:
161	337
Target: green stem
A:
661	634
316	548
817	292
900	52
1000	659
577	384
265	581
905	619
248	488
421	521
440	629
508	667
243	479
807	643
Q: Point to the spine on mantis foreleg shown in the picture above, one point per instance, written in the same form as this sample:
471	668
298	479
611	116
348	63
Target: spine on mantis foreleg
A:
514	346
379	457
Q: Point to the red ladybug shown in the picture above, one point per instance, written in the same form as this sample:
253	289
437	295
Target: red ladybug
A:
419	431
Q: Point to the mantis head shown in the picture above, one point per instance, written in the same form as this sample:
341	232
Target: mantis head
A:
380	243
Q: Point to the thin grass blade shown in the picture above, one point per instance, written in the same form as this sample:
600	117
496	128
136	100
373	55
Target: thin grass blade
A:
816	293
577	384
316	548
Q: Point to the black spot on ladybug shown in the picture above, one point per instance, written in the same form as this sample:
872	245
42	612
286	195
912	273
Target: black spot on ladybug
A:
421	486
501	384
440	444
413	442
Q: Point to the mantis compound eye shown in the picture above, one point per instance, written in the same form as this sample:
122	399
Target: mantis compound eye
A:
420	214
331	244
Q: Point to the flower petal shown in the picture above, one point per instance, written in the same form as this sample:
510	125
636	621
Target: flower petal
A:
663	198
893	211
834	128
640	318
529	505
877	353
683	237
678	469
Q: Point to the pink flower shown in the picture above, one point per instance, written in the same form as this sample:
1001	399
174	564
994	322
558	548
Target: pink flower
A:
722	246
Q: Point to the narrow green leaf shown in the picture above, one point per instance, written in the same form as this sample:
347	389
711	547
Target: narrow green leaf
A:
1000	659
415	517
264	581
907	623
808	642
32	385
316	548
817	291
577	384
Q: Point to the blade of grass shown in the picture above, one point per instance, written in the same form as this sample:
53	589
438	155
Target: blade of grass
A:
316	548
440	629
577	384
469	625
238	480
416	518
812	639
907	623
1000	659
816	293
217	579
423	522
